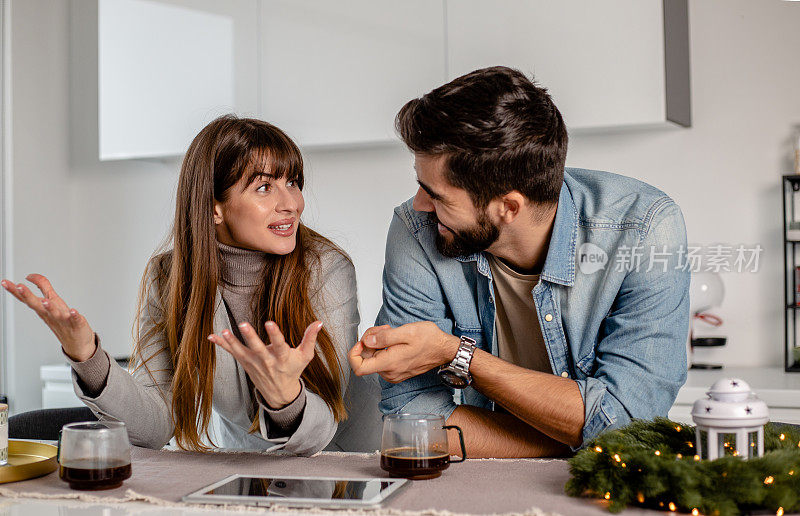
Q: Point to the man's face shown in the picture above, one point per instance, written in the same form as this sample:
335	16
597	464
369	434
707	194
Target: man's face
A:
462	228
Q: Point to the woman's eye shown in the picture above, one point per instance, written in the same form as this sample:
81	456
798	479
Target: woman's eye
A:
263	188
291	182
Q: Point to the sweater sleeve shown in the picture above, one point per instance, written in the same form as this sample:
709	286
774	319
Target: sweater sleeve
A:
335	301
284	420
140	399
93	372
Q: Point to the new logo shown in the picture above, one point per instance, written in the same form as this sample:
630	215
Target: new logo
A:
591	258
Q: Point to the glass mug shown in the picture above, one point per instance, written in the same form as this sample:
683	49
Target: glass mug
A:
415	445
94	455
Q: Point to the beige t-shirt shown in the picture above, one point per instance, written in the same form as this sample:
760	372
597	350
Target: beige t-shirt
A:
519	336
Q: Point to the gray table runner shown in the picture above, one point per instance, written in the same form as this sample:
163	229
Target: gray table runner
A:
478	486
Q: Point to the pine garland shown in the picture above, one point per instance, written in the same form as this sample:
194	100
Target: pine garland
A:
653	464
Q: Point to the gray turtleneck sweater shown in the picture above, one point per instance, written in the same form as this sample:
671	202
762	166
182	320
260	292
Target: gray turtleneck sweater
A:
241	274
143	400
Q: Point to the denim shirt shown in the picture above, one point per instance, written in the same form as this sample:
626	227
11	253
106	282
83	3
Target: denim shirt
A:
612	300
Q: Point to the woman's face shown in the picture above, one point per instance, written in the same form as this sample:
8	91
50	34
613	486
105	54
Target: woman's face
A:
261	215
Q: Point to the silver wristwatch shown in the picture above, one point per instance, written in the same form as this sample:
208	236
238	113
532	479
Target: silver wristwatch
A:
456	373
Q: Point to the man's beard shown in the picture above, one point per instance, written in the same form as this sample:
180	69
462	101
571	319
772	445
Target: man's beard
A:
466	242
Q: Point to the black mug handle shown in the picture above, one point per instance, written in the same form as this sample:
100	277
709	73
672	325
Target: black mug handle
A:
461	440
58	450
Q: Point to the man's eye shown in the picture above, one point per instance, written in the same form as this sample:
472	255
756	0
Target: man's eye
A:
291	182
263	188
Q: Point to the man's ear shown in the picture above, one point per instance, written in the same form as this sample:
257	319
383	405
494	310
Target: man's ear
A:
217	213
510	205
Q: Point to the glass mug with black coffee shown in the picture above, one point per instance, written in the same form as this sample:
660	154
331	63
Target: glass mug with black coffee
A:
94	455
415	445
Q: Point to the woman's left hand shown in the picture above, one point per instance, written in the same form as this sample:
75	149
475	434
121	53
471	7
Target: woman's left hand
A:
274	368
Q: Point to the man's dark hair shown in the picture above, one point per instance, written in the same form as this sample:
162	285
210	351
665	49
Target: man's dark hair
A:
498	130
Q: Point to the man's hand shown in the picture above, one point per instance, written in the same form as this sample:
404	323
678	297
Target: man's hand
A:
398	354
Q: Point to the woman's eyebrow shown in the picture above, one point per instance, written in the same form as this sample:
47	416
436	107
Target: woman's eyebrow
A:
260	175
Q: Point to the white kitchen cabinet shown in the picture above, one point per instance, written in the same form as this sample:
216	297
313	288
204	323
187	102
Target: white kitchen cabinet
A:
338	72
147	75
614	63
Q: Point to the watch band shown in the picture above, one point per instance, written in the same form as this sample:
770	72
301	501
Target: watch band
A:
459	366
466	349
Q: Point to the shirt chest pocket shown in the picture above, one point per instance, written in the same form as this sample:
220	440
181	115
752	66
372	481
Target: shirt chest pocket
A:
474	332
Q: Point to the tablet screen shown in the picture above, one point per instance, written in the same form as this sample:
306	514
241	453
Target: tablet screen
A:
305	488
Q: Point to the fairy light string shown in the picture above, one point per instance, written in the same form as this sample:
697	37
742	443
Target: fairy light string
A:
643	463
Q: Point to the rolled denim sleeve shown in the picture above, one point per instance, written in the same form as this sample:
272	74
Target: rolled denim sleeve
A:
411	292
641	350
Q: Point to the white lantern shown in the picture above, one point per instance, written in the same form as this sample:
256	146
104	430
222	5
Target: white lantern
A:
730	421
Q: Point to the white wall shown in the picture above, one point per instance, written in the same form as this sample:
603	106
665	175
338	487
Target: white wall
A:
41	218
725	170
92	228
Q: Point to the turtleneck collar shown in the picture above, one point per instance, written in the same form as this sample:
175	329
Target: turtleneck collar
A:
241	267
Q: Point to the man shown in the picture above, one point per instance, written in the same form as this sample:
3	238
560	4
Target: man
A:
550	301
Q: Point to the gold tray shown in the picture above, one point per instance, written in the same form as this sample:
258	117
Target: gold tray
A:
28	460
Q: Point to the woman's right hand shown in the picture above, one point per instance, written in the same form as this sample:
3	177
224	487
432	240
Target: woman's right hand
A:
71	328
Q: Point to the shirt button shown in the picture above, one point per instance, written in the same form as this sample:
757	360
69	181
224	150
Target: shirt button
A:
548	317
565	374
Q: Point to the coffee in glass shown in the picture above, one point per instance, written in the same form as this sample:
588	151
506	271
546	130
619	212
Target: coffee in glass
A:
415	446
94	455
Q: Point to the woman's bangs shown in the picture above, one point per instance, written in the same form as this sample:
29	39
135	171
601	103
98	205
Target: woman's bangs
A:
278	161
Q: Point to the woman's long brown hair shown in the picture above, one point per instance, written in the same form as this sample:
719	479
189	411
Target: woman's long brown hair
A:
187	276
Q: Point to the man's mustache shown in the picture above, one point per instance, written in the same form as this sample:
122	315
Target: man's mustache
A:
436	219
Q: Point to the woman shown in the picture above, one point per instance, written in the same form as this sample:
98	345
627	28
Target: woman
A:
249	313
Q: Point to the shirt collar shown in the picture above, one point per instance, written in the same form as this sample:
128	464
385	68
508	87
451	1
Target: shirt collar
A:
559	266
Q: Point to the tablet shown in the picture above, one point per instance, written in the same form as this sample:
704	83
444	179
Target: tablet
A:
326	492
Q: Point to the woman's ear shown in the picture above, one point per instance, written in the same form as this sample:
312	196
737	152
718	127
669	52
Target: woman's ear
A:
217	213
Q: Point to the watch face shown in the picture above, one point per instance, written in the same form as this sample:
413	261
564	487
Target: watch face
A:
452	379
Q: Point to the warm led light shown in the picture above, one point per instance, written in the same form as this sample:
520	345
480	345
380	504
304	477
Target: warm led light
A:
658	452
791	472
616	458
696	457
769	480
623	465
598	449
607	496
680	456
691	445
672	507
782	437
780	511
640	497
678	428
695	512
